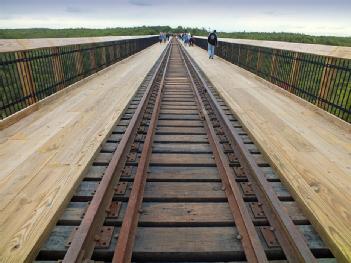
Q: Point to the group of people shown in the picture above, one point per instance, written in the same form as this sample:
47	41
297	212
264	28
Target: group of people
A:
189	40
164	37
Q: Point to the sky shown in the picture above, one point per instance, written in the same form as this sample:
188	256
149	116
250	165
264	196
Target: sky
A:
315	17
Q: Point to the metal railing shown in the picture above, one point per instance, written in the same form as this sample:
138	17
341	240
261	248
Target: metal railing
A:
322	80
29	76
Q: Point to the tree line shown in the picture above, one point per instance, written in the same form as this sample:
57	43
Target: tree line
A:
154	30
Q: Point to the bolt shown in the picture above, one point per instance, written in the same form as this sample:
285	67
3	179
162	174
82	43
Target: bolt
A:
16	246
239	237
271	228
140	210
259	204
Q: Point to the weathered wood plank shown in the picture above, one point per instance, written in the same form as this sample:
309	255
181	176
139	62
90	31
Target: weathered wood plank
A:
181	138
182	159
181	148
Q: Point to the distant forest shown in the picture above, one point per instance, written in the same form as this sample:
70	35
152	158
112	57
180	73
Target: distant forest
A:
152	30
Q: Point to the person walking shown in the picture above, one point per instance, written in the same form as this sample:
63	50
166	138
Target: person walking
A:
160	38
212	43
191	41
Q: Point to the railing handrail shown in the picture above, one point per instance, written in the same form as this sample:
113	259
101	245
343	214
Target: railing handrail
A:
29	76
316	49
14	45
324	81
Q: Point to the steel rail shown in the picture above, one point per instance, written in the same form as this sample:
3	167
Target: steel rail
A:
83	242
254	251
124	248
290	238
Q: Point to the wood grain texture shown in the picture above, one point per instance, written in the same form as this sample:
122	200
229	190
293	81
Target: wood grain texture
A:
44	155
309	149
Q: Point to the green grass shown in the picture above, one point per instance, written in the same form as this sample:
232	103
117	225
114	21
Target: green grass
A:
152	30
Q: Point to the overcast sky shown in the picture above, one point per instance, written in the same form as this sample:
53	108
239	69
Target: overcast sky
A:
318	17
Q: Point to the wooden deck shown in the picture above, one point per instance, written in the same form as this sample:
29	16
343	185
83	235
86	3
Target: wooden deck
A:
44	155
309	148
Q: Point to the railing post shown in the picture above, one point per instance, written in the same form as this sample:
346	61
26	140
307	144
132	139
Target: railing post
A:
258	65
112	54
57	68
26	77
295	70
273	65
328	76
78	61
103	56
247	56
92	59
239	54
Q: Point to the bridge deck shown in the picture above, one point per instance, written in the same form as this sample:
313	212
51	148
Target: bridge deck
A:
44	155
310	149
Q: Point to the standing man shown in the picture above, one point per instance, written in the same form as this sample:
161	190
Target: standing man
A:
212	42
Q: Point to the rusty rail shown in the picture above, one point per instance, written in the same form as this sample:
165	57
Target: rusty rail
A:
124	248
254	249
84	239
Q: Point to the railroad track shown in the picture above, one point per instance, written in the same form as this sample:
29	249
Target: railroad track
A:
179	179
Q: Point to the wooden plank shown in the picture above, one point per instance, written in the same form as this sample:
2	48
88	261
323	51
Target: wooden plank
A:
178	214
181	148
180	123
182	159
180	130
157	191
176	243
194	191
183	173
183	138
309	149
178	117
43	156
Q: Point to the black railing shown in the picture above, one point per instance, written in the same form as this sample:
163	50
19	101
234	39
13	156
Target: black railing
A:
29	76
321	80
